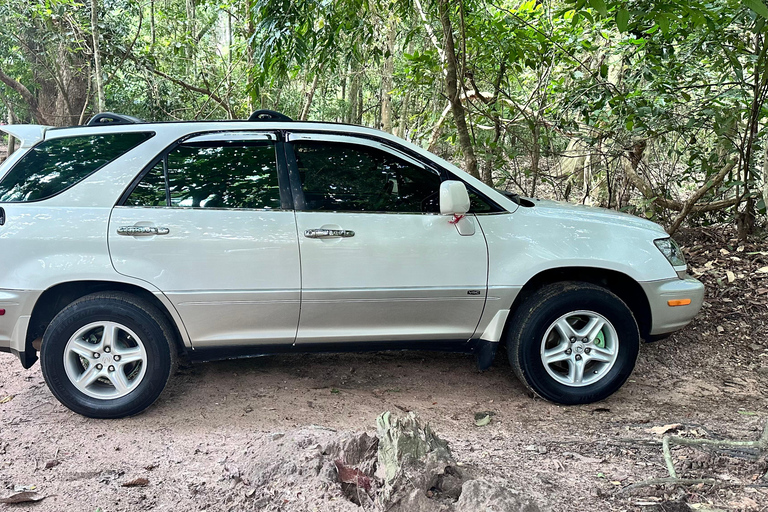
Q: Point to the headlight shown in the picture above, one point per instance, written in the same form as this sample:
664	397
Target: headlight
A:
671	251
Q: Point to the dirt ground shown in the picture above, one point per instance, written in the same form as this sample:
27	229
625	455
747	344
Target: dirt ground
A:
198	445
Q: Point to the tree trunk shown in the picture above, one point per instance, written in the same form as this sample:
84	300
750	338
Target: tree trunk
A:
192	35
99	79
308	96
152	21
253	99
387	78
11	120
452	88
765	174
354	89
535	156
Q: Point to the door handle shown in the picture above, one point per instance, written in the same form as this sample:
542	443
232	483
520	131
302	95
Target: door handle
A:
142	231
328	233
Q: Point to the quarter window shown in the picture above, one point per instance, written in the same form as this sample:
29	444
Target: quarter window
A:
55	165
236	174
346	177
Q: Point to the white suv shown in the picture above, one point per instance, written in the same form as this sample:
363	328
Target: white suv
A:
125	244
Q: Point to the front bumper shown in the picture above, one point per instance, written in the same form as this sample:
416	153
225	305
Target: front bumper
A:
666	318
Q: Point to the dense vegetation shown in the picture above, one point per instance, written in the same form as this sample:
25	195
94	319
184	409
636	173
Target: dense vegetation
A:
651	106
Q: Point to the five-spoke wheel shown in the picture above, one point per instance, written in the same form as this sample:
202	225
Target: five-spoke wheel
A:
573	343
579	348
108	355
105	360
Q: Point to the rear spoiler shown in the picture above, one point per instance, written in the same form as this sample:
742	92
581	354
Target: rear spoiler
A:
28	134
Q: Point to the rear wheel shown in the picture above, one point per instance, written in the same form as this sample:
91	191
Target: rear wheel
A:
107	355
573	343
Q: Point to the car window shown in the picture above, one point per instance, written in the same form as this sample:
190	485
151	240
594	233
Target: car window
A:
55	165
239	174
477	204
150	191
348	177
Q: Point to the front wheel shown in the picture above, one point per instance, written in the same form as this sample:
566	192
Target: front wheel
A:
107	355
573	343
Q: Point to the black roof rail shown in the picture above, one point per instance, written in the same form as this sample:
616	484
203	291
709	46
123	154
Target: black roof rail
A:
268	115
112	118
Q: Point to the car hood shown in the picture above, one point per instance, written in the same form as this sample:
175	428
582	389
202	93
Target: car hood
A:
595	215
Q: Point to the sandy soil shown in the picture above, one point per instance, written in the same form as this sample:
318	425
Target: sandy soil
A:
197	445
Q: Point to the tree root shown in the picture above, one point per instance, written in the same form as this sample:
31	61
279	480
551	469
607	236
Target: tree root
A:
760	445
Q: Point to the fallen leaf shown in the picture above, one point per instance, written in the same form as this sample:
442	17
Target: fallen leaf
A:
744	503
740	248
138	482
663	429
22	497
52	464
731	276
483	418
350	475
724	252
762	270
483	421
748	413
720	328
8	398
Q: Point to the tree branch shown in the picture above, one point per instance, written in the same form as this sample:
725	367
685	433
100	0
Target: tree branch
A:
185	85
26	95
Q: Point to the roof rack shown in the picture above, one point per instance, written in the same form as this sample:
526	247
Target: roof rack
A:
112	118
268	115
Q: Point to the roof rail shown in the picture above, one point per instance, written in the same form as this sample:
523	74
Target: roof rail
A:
268	115
112	118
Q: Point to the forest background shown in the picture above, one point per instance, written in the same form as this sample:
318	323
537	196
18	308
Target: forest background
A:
652	107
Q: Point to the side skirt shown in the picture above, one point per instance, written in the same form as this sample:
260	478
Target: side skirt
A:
483	349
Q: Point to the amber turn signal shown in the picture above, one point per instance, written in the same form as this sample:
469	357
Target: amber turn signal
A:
678	302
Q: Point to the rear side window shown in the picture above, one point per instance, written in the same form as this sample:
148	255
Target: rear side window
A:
55	165
233	174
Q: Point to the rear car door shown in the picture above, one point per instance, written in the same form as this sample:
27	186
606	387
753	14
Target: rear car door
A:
378	263
206	224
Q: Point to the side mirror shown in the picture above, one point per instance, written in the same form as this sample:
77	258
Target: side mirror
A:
454	199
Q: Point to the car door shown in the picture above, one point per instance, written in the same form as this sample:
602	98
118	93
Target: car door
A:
205	224
378	263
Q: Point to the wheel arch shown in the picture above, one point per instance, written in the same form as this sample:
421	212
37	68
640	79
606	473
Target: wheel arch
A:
626	288
57	297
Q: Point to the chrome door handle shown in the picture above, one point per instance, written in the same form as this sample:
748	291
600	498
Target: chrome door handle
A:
328	233
142	231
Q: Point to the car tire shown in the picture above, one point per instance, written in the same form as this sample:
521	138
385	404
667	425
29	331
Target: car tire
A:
108	355
573	343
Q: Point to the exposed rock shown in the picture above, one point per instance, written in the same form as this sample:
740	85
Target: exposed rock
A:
487	496
412	457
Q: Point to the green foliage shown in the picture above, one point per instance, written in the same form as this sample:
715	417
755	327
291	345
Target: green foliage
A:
556	93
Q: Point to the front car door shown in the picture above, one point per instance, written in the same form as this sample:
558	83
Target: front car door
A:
205	223
378	263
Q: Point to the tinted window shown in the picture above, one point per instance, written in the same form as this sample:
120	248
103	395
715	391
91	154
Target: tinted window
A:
55	165
151	189
346	177
477	204
213	175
